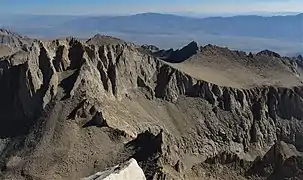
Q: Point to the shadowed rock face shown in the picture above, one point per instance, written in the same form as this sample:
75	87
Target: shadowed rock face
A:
280	162
179	55
80	108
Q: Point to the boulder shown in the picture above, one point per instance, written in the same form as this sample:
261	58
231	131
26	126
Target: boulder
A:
129	170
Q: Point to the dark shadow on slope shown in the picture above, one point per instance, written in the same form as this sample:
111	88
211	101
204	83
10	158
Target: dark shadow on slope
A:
12	118
68	83
74	113
97	121
58	58
75	54
13	128
163	78
147	149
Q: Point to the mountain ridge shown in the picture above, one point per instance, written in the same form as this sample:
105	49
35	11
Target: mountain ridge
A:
86	107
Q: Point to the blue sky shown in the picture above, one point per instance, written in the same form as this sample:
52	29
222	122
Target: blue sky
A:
112	7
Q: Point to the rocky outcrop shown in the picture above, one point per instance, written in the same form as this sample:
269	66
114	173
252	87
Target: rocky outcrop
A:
150	48
31	80
100	40
268	53
282	161
264	109
129	170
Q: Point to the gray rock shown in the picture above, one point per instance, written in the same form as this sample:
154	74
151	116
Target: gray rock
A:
129	170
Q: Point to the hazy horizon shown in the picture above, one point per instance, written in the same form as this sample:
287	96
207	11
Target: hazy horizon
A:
54	18
120	7
186	14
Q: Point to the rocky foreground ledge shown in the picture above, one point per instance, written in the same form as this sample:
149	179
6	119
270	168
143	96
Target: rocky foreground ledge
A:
129	170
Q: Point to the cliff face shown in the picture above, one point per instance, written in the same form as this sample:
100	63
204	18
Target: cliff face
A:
70	108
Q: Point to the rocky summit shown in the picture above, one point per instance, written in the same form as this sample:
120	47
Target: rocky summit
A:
71	108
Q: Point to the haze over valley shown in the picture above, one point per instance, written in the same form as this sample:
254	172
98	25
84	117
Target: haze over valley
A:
254	33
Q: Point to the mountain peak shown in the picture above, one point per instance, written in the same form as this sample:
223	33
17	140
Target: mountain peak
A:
268	53
193	44
183	54
152	14
7	32
13	40
100	40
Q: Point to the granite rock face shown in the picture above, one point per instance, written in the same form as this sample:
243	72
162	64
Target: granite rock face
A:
130	170
70	108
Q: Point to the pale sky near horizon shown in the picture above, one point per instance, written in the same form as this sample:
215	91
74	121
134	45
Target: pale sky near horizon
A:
113	7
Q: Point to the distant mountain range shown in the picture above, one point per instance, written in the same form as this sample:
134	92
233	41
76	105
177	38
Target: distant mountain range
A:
283	34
